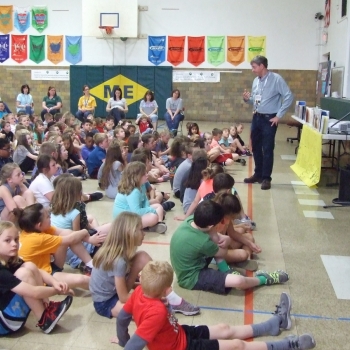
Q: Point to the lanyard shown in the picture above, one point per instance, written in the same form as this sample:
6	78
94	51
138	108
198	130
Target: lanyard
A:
262	89
86	101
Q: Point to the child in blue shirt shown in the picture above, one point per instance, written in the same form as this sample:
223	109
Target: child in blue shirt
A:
88	147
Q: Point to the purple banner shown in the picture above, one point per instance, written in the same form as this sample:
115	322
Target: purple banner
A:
4	48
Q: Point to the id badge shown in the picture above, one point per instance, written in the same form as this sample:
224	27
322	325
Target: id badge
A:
257	100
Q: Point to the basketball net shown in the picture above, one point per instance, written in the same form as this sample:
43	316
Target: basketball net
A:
108	29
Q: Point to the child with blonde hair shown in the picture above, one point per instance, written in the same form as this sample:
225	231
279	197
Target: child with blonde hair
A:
117	266
23	288
13	193
130	198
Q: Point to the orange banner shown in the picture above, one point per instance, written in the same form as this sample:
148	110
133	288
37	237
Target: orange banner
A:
6	21
195	53
176	48
235	49
55	48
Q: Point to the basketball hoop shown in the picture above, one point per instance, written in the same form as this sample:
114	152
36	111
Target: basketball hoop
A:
108	29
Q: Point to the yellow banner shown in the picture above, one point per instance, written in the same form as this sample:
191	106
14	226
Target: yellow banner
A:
55	48
309	158
235	49
6	22
256	46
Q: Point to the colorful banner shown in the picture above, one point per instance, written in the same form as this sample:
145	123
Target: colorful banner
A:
6	23
235	49
4	48
176	49
156	49
195	53
19	44
216	50
73	49
39	18
55	48
22	18
309	157
256	46
37	48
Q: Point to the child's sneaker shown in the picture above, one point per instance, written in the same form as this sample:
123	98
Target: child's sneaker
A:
52	314
275	277
158	228
186	308
303	342
283	311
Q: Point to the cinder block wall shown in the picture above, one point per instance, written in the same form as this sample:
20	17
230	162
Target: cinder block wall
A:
220	102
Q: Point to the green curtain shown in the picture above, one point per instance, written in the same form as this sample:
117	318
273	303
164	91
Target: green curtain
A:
134	81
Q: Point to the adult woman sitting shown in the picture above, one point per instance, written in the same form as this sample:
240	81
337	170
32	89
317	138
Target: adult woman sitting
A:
173	115
52	103
149	108
117	106
24	100
86	104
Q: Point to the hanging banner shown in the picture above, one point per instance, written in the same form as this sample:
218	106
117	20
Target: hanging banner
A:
176	49
6	23
19	45
216	50
235	49
22	18
37	48
73	49
55	48
156	49
39	18
4	48
256	46
195	53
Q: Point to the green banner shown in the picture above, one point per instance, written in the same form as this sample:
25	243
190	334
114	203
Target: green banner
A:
39	18
216	50
37	48
134	81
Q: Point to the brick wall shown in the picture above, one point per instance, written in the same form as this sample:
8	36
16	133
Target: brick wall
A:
212	101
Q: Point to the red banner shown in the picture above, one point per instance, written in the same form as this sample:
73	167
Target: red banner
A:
19	48
196	50
176	48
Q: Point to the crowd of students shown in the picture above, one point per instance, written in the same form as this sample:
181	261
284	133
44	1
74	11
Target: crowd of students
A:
127	162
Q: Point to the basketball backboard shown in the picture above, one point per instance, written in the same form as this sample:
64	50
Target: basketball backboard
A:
122	15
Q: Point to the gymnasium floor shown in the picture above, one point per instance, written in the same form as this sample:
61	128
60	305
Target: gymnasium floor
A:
289	239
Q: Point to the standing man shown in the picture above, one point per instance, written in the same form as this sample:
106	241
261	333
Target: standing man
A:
270	98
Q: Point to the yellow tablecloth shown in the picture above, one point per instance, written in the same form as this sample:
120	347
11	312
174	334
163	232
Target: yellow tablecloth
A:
309	158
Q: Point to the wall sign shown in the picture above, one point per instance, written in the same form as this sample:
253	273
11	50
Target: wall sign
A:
188	76
50	74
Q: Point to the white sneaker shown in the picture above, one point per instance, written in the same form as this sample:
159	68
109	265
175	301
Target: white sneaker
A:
158	228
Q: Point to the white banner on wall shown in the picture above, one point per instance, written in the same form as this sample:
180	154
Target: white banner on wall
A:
50	74
188	76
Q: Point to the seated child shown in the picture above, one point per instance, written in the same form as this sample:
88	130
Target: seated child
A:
12	120
162	148
234	142
145	124
193	129
13	192
109	125
191	261
24	155
23	288
88	147
158	328
117	266
5	152
226	157
119	133
6	130
130	198
98	155
39	241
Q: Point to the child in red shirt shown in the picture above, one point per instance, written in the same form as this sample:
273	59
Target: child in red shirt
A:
158	329
145	125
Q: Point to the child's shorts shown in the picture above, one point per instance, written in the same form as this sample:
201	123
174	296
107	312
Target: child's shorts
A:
198	338
104	308
14	317
211	280
222	158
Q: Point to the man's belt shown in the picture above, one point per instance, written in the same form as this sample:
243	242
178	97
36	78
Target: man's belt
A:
265	114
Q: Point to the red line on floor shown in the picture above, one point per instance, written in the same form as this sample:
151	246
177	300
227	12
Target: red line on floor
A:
249	294
156	243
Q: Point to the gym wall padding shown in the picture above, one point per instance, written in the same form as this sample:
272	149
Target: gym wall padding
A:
134	81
